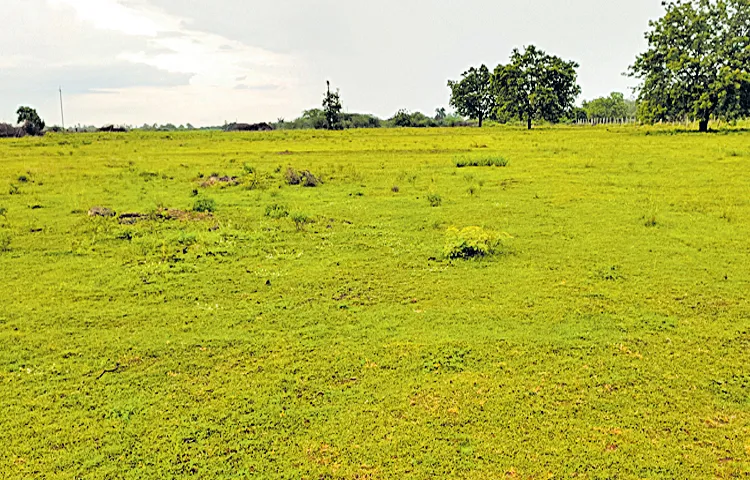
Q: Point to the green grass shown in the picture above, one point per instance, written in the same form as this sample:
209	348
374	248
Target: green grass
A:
609	336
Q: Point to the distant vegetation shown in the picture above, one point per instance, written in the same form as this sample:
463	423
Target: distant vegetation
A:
613	106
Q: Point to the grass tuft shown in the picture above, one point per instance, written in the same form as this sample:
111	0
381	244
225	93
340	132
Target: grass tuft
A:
204	205
494	161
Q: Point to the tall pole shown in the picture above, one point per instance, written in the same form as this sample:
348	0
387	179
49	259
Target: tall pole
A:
62	112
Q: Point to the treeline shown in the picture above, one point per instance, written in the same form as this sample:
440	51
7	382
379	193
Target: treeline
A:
316	119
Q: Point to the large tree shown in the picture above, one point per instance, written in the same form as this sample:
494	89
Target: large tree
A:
697	64
472	96
535	86
30	120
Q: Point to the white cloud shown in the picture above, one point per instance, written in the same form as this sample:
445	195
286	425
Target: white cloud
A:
132	18
226	78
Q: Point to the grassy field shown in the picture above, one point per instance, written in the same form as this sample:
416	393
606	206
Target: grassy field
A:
299	332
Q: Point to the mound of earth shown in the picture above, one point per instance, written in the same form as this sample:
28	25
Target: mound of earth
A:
101	212
217	180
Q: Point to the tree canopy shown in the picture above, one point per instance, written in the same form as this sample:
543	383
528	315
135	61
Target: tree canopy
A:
30	120
535	86
613	106
472	96
332	109
697	64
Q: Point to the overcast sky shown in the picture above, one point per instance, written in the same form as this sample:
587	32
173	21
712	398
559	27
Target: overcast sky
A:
204	62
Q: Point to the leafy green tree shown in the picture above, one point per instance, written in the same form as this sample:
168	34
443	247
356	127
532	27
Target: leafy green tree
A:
472	96
697	64
535	86
613	106
30	120
332	109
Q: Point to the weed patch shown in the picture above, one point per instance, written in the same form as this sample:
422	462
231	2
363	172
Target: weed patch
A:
277	211
494	161
204	205
5	239
471	242
300	220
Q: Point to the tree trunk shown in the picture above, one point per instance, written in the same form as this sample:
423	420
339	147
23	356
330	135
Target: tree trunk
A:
481	120
528	122
703	125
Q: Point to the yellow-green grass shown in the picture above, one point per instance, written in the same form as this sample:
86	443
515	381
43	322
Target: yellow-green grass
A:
608	337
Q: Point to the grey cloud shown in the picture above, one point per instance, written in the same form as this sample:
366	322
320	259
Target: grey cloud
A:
394	53
26	85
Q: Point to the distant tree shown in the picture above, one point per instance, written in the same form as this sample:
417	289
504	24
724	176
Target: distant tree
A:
30	121
631	107
404	118
697	64
535	86
314	118
332	109
578	114
440	114
613	106
472	96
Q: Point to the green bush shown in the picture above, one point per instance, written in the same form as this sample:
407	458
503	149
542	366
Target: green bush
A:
5	238
3	211
187	239
304	178
435	199
462	162
277	211
471	242
300	220
291	177
204	205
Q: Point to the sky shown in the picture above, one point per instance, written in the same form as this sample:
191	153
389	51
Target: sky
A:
205	63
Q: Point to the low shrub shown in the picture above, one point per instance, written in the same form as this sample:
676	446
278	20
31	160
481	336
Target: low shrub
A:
471	242
304	178
435	199
300	220
204	205
310	180
5	239
291	177
277	211
462	162
187	239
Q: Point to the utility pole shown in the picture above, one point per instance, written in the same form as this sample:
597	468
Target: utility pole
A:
62	112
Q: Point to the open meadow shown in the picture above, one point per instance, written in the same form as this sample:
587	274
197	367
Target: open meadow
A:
231	325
